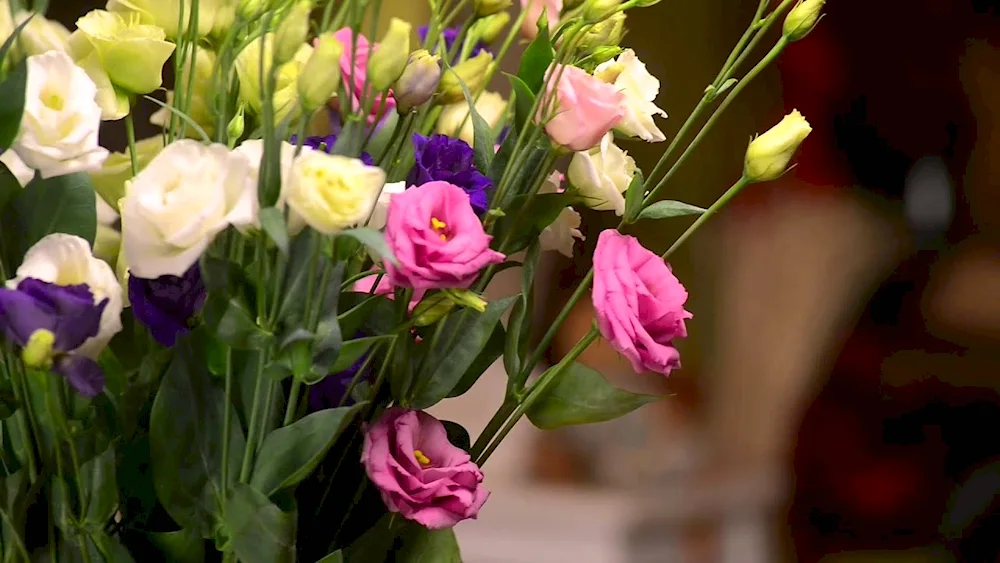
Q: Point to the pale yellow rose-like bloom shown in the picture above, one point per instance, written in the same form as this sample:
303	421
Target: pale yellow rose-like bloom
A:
41	35
768	155
491	106
602	175
332	193
122	55
214	16
286	91
109	180
200	109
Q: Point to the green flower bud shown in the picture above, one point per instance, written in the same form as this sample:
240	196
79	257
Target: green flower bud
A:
432	309
37	352
802	19
418	82
389	59
236	125
489	28
466	298
253	8
604	54
768	155
321	75
606	33
599	10
489	7
292	31
472	72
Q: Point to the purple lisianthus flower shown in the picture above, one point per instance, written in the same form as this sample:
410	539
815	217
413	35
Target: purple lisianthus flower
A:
167	304
450	36
326	143
329	393
441	158
69	314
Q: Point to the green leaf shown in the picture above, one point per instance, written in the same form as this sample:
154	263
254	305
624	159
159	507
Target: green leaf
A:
483	139
335	557
10	187
302	252
524	100
62	505
9	42
289	454
186	443
457	435
63	204
272	221
354	318
12	104
373	240
329	336
352	351
518	331
100	489
181	546
669	208
421	545
490	353
535	216
467	332
260	532
634	196
232	323
580	395
536	59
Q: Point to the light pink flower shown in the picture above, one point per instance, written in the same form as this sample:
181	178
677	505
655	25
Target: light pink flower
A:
584	109
639	303
420	474
534	7
437	238
356	87
364	285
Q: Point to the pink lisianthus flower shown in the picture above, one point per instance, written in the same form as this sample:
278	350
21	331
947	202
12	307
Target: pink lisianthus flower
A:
529	28
419	473
583	111
364	285
355	83
437	238
639	303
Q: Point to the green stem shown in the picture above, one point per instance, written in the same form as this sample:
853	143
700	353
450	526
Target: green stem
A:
550	334
493	426
192	32
536	391
768	59
346	286
253	423
741	44
130	134
18	542
227	421
719	204
293	401
24	421
359	374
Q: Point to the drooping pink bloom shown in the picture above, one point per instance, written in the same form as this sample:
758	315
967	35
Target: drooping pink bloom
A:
420	474
437	238
639	303
355	83
584	108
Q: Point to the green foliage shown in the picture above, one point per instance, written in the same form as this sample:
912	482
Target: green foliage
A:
536	59
260	531
580	395
669	208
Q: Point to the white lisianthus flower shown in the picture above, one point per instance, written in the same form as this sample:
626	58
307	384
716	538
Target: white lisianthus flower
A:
491	106
214	16
332	193
59	127
41	35
381	212
66	260
253	150
174	208
17	167
640	88
602	175
561	233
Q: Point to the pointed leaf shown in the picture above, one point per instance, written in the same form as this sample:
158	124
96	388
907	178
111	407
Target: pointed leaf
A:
232	323
273	223
536	60
490	354
289	454
581	395
12	103
373	240
259	530
483	139
524	100
634	196
101	489
63	204
669	208
335	557
421	545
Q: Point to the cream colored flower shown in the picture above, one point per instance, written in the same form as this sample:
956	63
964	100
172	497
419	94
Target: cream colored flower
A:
769	154
214	16
332	193
491	106
561	235
286	92
41	35
109	180
66	260
602	175
253	150
17	167
640	88
61	119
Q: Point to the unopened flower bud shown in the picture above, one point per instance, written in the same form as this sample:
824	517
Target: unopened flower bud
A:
472	72
769	154
432	309
253	8
418	82
320	77
236	125
389	59
37	353
292	31
802	19
489	7
599	10
489	28
606	33
604	54
466	298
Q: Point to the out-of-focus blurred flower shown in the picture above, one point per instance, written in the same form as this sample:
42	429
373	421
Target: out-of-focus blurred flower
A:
561	235
534	8
441	158
386	64
332	193
455	118
640	88
214	16
471	72
109	180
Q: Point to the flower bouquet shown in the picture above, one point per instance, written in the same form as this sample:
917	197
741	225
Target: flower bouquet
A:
238	367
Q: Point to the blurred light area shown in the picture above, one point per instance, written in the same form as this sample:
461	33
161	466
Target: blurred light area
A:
929	198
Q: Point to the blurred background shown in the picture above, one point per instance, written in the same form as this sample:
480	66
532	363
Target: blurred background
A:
838	400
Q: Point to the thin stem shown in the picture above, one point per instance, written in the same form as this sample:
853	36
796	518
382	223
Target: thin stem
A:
18	542
550	334
24	421
741	44
193	40
227	421
536	390
130	134
358	375
773	54
293	401
493	426
719	204
349	282
252	423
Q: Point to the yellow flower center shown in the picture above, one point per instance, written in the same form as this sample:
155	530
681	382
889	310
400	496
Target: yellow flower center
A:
421	458
53	100
439	226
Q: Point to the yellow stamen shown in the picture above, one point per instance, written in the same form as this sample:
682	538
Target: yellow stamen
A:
437	224
421	458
